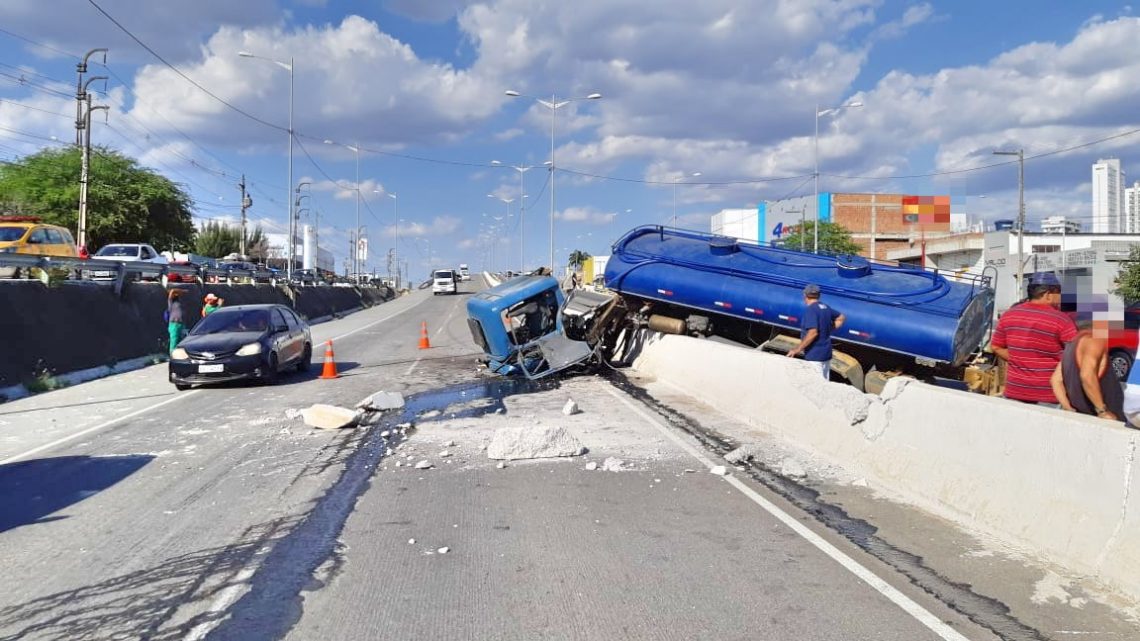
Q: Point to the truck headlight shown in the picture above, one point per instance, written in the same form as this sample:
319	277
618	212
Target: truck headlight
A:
179	354
252	349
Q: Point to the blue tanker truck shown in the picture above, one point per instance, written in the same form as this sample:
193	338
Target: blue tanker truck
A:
901	320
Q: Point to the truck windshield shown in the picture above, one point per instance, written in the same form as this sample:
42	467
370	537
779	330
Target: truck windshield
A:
445	275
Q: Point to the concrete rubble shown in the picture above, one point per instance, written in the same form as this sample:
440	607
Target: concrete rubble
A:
612	464
381	401
719	470
423	465
513	443
792	468
571	408
292	413
328	417
592	465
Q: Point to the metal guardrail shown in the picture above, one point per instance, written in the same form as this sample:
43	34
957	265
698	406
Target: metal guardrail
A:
120	272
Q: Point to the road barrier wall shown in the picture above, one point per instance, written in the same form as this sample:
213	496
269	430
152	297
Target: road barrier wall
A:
82	325
1057	484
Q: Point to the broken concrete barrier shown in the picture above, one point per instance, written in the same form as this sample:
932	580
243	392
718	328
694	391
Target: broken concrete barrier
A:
512	443
328	417
381	401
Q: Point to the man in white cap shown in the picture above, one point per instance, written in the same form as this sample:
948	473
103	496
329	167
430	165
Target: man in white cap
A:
815	331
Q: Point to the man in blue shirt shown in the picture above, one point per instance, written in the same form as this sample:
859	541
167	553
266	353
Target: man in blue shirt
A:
815	331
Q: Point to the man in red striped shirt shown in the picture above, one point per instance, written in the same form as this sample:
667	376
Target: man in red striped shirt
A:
1031	337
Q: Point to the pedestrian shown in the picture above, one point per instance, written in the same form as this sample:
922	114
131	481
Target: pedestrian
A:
815	331
1083	381
212	303
174	318
1030	337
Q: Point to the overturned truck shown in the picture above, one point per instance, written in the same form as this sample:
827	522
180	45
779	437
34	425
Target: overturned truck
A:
901	320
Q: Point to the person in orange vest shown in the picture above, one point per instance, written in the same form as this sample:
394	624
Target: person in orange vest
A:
212	304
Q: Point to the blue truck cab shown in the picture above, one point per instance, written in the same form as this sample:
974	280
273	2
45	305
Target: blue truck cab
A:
519	326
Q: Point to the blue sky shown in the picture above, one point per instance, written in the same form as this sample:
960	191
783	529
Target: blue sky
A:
726	89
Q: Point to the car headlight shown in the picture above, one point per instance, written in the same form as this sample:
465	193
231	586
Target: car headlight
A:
250	350
179	354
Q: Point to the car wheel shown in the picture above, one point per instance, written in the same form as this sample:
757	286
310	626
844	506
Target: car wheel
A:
269	377
306	359
181	387
1121	362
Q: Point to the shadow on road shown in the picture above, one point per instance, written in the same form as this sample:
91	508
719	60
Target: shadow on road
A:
31	491
156	603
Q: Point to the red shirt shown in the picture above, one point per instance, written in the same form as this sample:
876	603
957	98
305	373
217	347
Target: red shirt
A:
1035	335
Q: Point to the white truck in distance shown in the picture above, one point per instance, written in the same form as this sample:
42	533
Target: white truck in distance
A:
464	273
443	281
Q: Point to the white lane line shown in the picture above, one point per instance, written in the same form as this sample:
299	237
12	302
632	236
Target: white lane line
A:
921	614
377	322
35	450
413	366
225	599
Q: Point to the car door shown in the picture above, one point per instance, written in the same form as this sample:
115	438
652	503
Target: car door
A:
38	242
58	244
288	345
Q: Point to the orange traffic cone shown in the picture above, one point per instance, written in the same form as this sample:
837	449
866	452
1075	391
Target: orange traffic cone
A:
424	343
330	362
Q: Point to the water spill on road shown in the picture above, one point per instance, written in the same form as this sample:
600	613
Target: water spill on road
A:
982	610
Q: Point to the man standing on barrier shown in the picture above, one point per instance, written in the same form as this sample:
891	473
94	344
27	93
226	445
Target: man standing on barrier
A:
815	331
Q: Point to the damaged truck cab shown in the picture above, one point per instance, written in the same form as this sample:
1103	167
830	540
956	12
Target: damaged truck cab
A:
528	326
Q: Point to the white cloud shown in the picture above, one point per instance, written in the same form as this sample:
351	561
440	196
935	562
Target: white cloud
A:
589	215
439	226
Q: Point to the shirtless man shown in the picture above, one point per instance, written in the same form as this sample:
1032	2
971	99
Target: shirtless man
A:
1083	381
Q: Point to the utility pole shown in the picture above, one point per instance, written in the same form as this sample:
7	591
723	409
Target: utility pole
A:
85	163
246	203
81	93
1020	153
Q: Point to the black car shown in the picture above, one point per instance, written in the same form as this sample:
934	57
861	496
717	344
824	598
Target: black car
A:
244	341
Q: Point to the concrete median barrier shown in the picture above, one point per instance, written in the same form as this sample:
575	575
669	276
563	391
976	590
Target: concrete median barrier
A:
1056	484
75	326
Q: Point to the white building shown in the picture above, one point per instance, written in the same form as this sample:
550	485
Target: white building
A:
1132	209
1107	197
1060	225
737	223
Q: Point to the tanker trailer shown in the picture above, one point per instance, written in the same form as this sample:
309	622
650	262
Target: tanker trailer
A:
900	319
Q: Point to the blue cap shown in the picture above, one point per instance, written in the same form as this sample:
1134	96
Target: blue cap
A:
1048	279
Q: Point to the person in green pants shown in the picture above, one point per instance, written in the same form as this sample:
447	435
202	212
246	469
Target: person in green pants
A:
174	317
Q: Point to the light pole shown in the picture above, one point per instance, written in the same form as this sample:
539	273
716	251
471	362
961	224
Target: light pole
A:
694	175
295	204
522	169
553	105
823	112
289	180
1020	153
507	202
356	264
396	243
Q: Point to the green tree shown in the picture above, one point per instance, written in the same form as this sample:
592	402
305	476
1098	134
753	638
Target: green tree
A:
1128	278
125	202
218	240
578	258
833	239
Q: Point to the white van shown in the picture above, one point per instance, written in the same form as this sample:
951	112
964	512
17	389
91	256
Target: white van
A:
464	273
443	282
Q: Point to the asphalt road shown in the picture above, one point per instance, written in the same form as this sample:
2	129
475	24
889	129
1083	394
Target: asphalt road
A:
128	511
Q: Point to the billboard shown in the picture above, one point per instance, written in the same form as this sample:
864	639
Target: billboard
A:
926	209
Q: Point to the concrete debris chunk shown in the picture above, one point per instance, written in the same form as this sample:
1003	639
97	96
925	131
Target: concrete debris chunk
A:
444	550
570	408
449	444
292	413
399	463
793	468
381	401
592	465
423	465
445	453
501	465
719	470
328	417
512	443
411	541
612	464
859	482
386	433
743	454
405	426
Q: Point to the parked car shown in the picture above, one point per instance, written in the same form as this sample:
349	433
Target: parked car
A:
174	277
125	252
443	282
242	342
27	235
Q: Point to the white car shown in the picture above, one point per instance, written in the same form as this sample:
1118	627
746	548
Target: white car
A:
126	252
443	282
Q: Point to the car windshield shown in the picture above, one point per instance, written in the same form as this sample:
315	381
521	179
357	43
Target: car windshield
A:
226	321
444	275
118	250
9	234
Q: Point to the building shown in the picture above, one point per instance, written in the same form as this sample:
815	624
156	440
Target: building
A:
1086	263
322	259
1132	208
877	222
1107	197
1060	225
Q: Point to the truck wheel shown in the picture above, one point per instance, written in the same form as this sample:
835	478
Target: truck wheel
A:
1121	362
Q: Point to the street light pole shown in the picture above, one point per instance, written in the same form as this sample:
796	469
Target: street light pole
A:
554	104
291	251
396	244
1020	153
824	112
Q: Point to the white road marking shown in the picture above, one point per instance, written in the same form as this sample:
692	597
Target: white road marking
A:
377	322
921	614
35	450
413	366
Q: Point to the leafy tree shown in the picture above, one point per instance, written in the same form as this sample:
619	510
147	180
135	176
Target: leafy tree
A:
1128	278
218	240
578	258
833	239
125	202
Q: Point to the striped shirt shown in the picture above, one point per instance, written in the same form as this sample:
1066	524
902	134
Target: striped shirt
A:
1035	335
